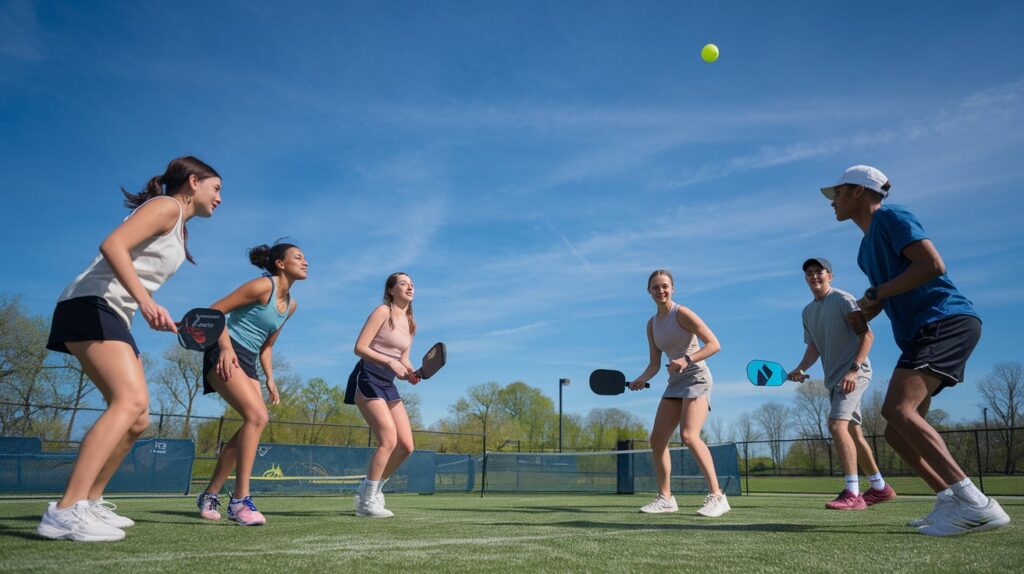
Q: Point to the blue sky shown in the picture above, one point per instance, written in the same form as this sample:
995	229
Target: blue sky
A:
528	163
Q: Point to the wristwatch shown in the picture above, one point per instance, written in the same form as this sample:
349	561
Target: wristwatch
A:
871	294
855	367
689	361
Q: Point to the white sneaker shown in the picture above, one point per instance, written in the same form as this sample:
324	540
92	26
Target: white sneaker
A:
943	500
660	504
714	506
104	510
963	518
357	499
76	523
372	507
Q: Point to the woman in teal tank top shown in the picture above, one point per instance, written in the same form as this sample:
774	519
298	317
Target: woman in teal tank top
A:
256	312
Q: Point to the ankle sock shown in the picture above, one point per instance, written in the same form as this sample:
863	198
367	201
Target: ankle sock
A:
877	482
853	484
967	492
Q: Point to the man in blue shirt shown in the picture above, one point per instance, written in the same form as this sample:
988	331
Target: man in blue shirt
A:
936	329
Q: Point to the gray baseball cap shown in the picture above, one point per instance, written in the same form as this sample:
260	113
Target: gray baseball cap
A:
821	261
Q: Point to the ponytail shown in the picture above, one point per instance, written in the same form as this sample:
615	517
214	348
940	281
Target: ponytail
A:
173	181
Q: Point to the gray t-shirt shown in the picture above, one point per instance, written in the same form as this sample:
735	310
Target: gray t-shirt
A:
825	325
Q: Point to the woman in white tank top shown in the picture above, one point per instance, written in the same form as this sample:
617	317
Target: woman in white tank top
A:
92	322
674	330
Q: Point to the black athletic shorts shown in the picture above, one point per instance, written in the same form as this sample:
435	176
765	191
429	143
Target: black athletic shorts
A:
246	360
86	319
942	348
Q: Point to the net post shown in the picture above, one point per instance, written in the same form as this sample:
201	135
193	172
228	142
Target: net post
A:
977	453
746	465
220	429
624	467
483	476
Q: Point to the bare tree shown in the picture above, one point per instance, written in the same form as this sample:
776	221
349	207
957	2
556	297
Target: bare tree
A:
1003	390
22	364
772	418
811	407
180	381
718	432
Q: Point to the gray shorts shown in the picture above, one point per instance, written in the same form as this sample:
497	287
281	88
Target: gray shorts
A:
846	406
690	387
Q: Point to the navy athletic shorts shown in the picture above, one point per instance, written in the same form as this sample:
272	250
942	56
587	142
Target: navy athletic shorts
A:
373	381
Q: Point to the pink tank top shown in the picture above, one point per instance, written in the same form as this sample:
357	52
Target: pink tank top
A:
391	341
675	341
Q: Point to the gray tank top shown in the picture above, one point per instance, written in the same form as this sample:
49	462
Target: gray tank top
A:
675	341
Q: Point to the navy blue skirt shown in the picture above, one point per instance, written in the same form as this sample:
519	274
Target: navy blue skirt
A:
373	381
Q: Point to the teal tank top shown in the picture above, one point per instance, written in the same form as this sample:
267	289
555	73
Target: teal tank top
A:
253	324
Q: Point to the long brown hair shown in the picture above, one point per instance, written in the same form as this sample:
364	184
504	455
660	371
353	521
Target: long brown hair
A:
391	282
173	181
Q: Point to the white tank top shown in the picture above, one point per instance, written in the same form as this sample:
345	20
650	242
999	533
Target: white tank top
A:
155	260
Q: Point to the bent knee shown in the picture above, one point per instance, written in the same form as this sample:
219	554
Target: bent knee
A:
140	425
690	438
257	418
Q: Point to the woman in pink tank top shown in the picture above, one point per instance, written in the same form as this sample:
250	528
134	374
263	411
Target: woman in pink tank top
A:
383	348
674	330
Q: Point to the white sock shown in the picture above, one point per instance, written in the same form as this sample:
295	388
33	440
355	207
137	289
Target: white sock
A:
853	484
380	487
967	492
368	486
877	482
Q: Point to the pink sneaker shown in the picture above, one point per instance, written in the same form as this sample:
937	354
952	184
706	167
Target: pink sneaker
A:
208	503
876	495
244	512
847	501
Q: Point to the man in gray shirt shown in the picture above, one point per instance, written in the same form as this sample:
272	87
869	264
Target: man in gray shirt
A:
844	358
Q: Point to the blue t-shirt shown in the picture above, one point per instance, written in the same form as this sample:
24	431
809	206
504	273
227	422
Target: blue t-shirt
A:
881	259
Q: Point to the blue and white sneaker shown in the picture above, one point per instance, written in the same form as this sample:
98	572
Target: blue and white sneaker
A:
244	512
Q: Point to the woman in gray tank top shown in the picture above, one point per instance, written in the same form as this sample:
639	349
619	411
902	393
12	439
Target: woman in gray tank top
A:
256	311
674	331
92	320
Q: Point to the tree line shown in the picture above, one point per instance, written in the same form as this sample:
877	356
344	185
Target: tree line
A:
41	393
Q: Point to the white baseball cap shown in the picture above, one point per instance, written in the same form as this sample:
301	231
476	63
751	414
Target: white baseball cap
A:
863	175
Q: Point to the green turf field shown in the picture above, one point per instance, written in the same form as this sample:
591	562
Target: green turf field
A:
516	533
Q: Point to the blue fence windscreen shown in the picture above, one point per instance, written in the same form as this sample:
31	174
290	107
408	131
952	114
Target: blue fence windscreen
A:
153	465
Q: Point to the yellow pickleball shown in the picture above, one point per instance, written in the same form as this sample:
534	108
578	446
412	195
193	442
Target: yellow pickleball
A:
709	53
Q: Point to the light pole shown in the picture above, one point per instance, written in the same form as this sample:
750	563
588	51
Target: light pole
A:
561	383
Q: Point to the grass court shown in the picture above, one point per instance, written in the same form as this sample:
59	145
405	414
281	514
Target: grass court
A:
517	533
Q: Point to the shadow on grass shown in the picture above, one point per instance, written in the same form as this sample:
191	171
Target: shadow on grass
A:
26	532
757	527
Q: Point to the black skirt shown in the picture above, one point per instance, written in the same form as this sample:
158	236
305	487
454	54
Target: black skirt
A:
86	319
